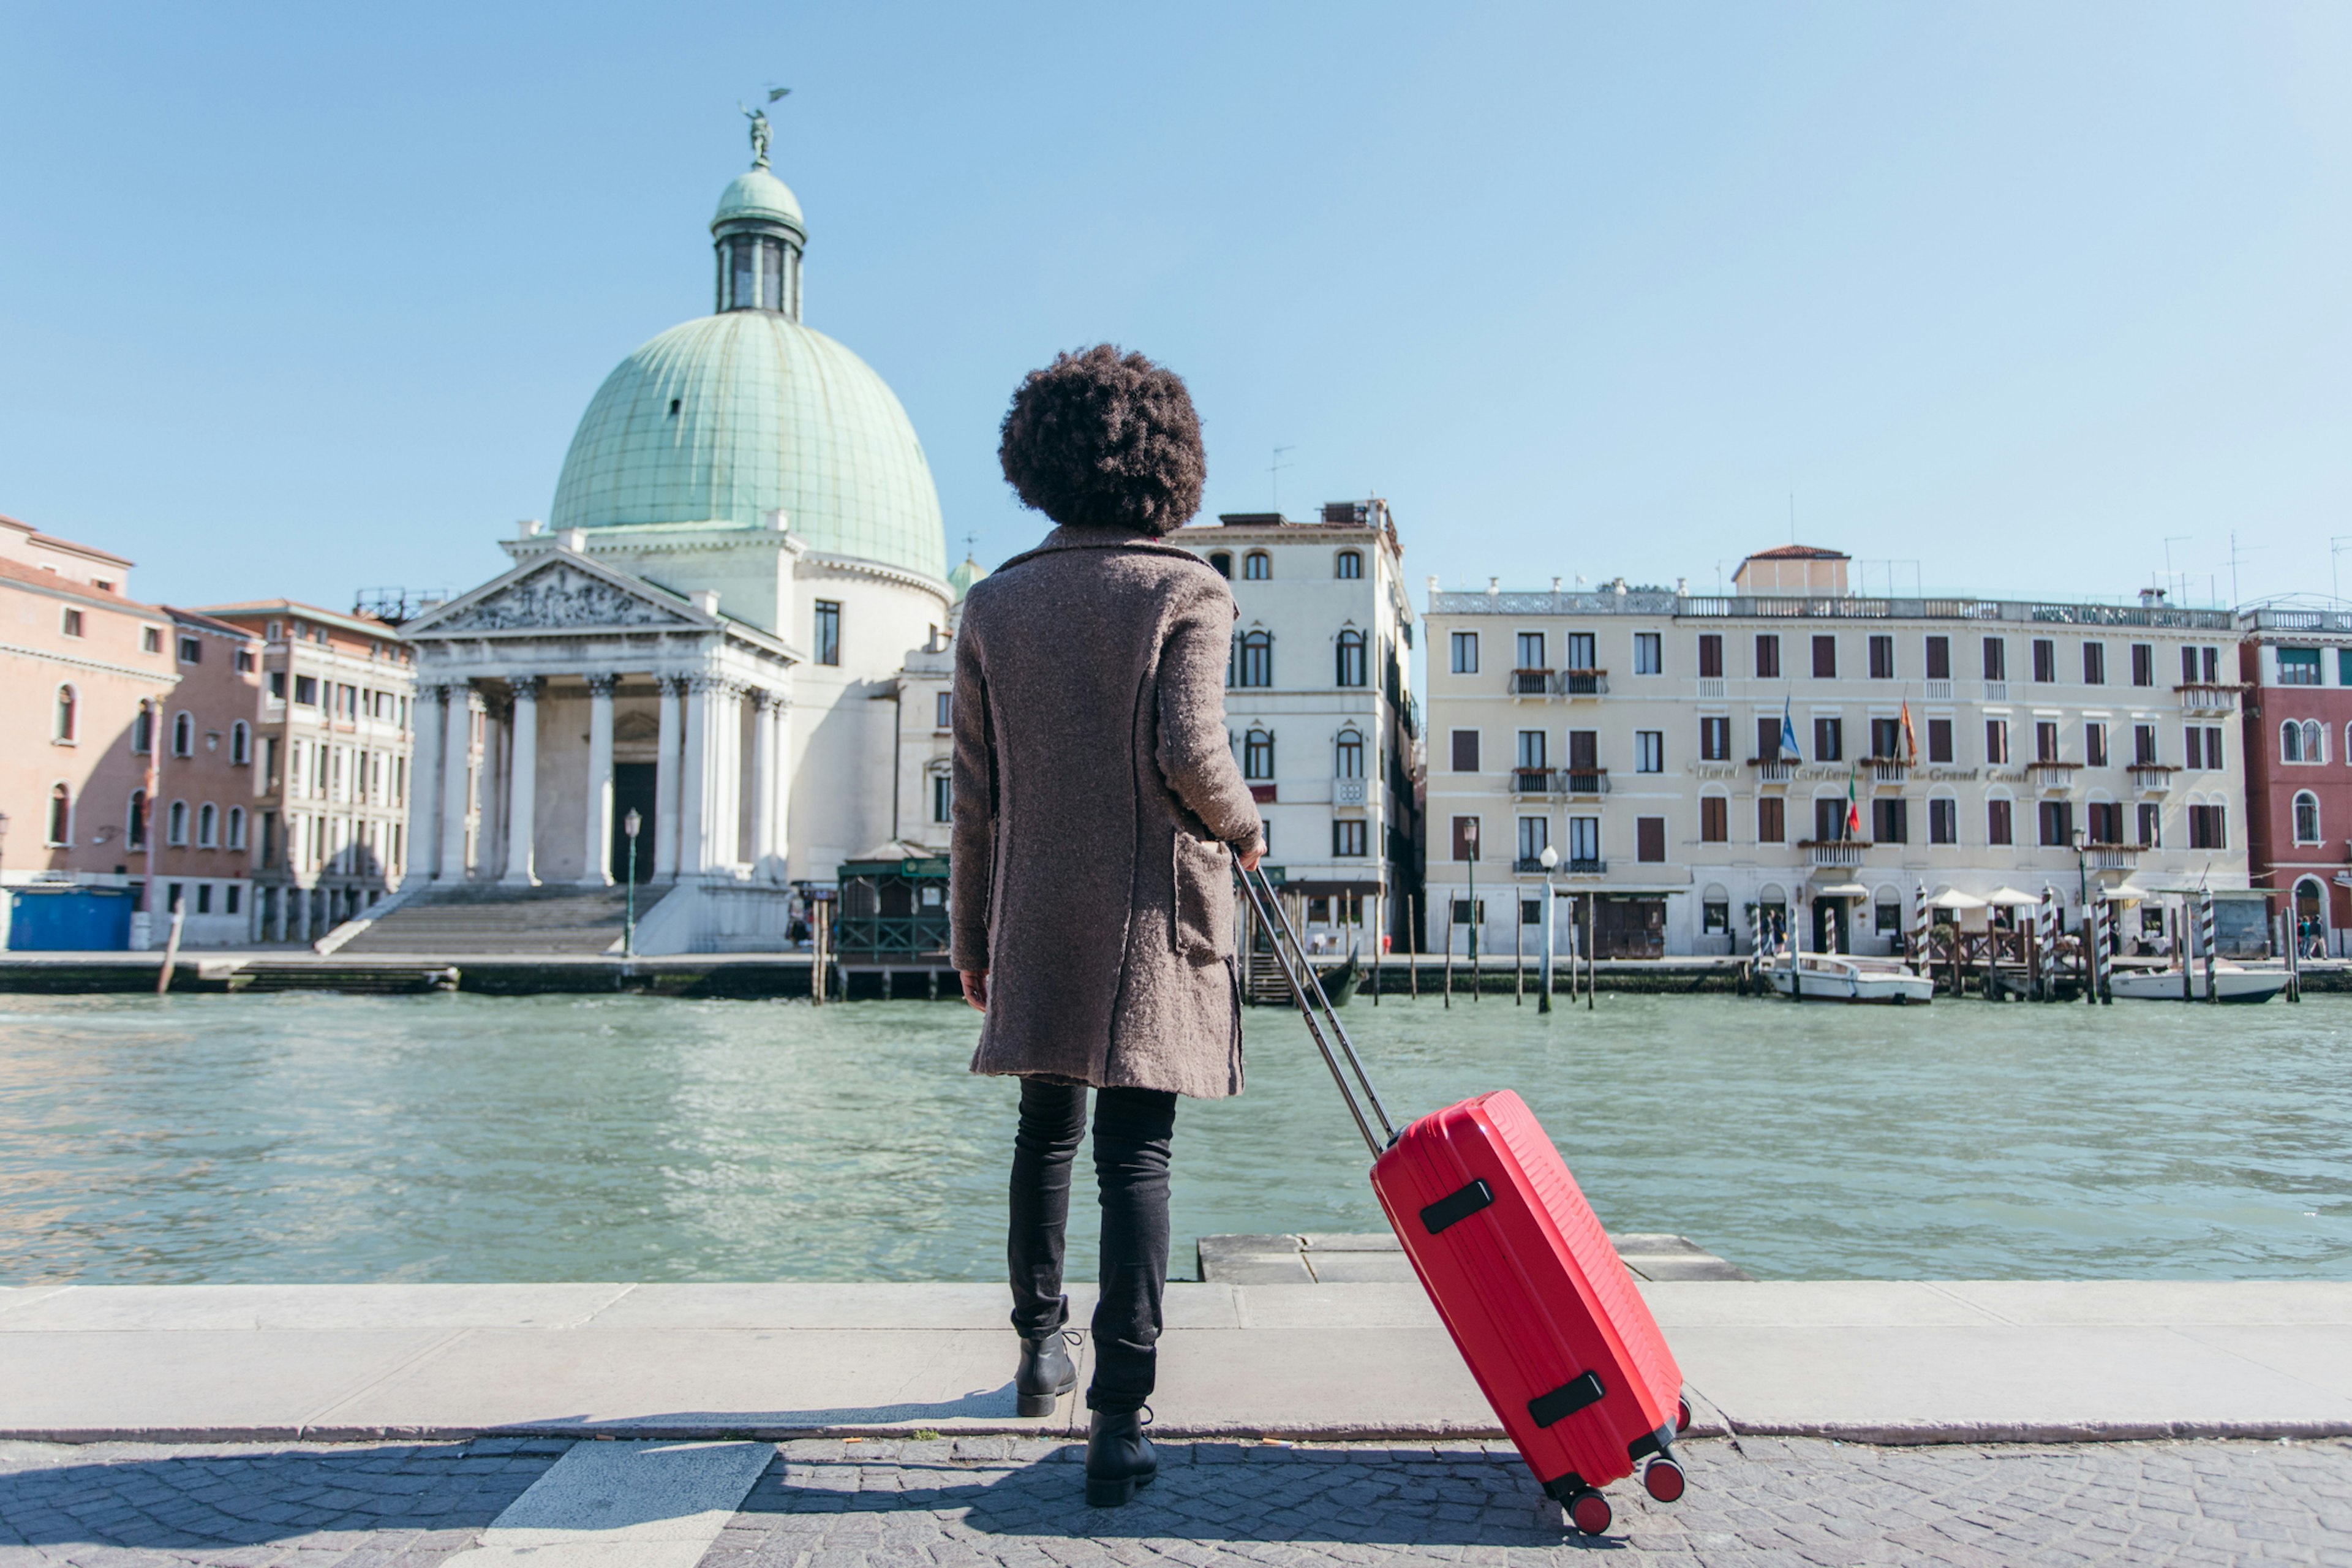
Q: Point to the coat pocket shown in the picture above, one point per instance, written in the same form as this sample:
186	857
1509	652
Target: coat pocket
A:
1204	912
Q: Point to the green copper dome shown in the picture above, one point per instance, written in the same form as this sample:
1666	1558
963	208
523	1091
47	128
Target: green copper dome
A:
724	419
961	579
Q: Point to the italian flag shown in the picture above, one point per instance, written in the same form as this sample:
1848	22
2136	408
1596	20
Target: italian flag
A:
1852	803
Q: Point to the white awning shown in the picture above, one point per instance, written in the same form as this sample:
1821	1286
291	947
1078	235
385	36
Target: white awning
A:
2010	898
1843	890
2127	893
1953	899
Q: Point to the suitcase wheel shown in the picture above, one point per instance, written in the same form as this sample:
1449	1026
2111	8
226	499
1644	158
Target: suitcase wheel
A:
1681	1416
1589	1511
1664	1480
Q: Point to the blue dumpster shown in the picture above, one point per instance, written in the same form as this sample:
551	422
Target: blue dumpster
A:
69	919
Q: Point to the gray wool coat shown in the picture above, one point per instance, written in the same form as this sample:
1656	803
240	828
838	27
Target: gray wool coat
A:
1097	811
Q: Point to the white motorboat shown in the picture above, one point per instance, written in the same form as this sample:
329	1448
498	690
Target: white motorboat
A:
2235	983
1835	977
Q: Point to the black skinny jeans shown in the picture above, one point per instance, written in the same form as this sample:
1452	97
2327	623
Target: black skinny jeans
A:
1132	1130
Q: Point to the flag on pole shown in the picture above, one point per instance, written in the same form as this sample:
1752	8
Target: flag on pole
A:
1788	733
1910	736
1853	803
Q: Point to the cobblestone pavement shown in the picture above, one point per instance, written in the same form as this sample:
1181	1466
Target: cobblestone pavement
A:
293	1505
979	1504
986	1502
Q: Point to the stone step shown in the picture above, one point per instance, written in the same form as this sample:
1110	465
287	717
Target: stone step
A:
464	920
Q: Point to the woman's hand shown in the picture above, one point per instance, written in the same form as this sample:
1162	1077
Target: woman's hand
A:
1250	861
975	988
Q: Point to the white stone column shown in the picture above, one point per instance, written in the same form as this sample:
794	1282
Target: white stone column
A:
694	781
522	781
665	771
424	803
457	801
780	788
600	782
763	782
724	821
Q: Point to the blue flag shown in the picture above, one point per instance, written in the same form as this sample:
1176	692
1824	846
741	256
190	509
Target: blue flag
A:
1789	733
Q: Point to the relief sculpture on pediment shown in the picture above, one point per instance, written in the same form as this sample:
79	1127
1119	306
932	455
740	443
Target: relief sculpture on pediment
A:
560	597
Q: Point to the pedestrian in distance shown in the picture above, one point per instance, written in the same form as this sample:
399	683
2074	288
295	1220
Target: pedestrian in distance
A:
1098	815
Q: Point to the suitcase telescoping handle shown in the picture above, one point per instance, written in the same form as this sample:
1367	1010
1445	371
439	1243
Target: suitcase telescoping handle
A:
1316	1009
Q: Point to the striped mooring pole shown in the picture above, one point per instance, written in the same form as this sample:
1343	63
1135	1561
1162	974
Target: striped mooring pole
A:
2205	941
2046	940
1919	932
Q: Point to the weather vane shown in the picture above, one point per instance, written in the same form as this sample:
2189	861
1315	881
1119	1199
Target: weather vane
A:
760	132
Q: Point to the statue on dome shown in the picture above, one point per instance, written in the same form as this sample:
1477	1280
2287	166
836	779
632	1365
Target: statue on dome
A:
760	132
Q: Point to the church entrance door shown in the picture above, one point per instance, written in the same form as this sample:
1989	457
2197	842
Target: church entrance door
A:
632	790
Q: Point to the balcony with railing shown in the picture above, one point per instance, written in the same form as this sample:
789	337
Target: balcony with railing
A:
1996	690
1348	792
1773	770
2051	773
1939	691
1582	683
1710	686
1533	781
1530	683
2207	696
2112	856
1584	781
1833	851
2152	778
1893	771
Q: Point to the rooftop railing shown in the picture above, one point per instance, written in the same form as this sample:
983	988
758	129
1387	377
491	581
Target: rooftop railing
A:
1849	607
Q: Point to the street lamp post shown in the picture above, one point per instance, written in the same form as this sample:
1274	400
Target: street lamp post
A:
1550	858
629	825
1470	833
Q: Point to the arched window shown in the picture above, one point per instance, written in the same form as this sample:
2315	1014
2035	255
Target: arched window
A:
66	704
240	743
1350	754
142	730
236	828
1258	566
2301	741
175	826
2315	742
207	826
1350	564
1258	659
134	824
2306	818
1350	658
184	736
1257	755
61	815
1222	562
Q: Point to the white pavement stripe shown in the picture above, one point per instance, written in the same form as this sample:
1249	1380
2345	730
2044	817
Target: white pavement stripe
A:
622	1505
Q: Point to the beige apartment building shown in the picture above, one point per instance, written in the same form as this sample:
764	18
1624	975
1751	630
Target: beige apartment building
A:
1796	756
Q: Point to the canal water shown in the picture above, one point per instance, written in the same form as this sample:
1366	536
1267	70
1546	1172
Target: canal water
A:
305	1137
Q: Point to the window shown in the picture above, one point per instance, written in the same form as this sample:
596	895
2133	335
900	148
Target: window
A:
1996	743
306	690
2213	748
1939	658
1258	659
236	828
203	898
1257	755
1256	566
1350	671
828	633
1890	820
2105	821
229	896
1466	751
942	797
2094	745
1348	754
1465	839
1650	839
1535	837
1462	916
2094	664
1943	820
1772	819
274	631
2143	745
1939	740
62	725
2142	664
1888	918
135	823
1649	751
1768	656
1825	658
1886	738
1221	562
1531	650
2058	824
1348	835
1710	656
175	823
1584	844
1829	819
1882	658
151	639
2195	747
2045	660
1531	749
1465	653
1350	564
1998	829
1580	654
2298	666
1649	653
61	815
2301	741
207	826
2344	666
2045	740
277	685
69	622
1715	916
1531	911
1829	739
184	736
1768	738
1714	819
191	650
1996	658
2206	830
1714	738
943	711
2151	824
240	743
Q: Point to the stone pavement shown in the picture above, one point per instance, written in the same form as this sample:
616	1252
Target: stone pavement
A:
983	1502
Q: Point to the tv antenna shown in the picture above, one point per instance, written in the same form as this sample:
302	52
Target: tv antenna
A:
1274	475
2335	549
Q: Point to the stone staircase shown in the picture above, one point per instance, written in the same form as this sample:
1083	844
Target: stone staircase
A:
457	922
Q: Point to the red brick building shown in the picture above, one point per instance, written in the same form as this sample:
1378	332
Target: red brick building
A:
2297	667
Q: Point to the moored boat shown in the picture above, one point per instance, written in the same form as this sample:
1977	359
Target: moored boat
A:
2234	982
1836	977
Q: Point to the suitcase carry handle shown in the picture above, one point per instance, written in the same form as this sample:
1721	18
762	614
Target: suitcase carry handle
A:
1307	992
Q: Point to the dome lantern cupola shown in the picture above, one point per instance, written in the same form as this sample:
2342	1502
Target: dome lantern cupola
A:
759	234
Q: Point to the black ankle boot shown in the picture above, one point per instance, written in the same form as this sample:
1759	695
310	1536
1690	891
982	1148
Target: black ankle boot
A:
1119	1458
1046	1373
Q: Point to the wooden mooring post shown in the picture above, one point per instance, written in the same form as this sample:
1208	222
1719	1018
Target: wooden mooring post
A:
1412	953
1518	956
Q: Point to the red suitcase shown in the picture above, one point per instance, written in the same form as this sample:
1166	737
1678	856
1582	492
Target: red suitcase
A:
1520	1270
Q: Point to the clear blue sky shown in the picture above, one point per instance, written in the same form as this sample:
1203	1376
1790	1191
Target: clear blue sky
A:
302	300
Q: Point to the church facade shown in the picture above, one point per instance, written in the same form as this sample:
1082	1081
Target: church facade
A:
708	637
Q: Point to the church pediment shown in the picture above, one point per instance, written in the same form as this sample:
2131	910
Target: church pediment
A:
558	596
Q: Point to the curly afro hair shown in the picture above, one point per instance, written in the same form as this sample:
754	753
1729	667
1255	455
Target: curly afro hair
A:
1102	440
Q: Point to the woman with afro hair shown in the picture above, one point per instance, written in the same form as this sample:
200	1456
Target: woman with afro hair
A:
1099	814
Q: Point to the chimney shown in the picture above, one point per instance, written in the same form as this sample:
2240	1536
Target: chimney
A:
528	528
2151	598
